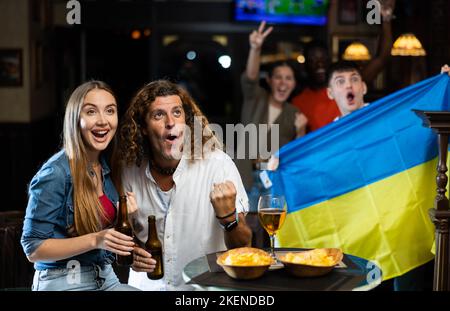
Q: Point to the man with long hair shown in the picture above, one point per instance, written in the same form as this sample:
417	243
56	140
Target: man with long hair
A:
177	172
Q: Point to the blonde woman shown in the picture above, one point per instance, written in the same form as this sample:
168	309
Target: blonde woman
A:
67	228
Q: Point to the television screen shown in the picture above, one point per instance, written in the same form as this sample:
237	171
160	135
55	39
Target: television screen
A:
304	12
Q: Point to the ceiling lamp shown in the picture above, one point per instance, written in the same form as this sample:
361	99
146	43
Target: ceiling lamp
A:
357	52
136	34
408	45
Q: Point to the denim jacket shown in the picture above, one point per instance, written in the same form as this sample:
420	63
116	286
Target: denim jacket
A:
50	211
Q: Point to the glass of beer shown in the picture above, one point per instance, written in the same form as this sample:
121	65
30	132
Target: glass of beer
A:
272	211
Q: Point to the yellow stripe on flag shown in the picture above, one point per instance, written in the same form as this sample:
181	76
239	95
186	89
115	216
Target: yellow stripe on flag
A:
386	222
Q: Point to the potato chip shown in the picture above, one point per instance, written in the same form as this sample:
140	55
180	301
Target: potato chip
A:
246	256
315	257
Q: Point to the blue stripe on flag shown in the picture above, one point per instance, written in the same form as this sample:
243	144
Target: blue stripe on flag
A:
376	142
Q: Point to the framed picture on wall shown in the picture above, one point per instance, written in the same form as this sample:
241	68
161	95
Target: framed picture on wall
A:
11	67
348	12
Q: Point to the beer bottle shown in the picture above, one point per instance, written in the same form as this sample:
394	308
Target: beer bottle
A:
123	226
154	247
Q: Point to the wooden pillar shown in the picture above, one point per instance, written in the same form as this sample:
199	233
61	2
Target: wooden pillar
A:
439	121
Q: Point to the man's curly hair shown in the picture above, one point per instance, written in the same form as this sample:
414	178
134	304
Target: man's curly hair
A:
134	146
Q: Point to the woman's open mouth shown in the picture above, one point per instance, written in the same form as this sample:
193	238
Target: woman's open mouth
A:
282	93
100	134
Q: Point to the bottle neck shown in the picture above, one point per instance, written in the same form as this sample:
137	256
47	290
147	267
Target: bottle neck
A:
123	211
152	228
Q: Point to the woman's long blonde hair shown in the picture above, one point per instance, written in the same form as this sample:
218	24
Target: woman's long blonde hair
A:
88	211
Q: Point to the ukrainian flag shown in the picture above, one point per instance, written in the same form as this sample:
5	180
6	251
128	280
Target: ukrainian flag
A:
365	182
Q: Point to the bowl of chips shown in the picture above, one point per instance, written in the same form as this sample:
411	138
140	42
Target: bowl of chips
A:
245	263
312	263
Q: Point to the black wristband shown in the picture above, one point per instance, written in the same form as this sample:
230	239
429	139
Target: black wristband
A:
226	216
231	225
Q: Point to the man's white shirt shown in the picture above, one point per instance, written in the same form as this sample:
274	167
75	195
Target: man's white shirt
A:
185	218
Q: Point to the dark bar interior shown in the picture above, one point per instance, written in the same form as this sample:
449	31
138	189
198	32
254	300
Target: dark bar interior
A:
199	44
